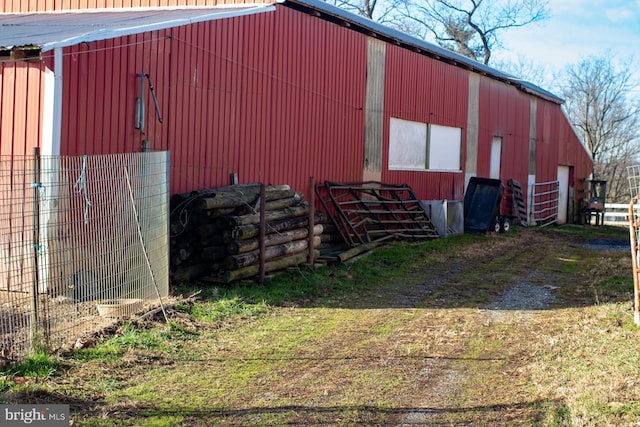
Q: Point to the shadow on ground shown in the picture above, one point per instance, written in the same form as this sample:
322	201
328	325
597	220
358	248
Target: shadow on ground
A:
530	270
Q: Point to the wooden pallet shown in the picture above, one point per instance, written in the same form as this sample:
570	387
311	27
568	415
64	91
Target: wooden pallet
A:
520	212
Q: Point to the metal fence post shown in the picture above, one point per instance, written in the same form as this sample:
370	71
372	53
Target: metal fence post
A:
34	330
312	214
263	226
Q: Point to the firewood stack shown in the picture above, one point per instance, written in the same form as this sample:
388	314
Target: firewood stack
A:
215	233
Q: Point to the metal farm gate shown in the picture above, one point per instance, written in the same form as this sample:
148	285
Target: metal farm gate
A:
633	174
544	203
83	242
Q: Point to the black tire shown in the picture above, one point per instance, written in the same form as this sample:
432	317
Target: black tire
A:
505	225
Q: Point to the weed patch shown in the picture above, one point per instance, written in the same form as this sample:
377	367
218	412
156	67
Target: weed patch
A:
39	365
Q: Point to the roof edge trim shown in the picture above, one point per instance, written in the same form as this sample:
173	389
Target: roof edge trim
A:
229	12
137	9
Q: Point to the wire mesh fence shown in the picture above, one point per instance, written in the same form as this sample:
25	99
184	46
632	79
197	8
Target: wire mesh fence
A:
83	241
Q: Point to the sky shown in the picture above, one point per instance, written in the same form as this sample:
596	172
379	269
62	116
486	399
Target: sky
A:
575	30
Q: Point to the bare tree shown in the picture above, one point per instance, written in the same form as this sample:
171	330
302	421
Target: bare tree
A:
381	11
600	105
524	69
471	27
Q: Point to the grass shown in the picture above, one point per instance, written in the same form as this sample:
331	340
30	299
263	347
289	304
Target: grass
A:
399	336
593	365
21	377
39	365
221	308
128	337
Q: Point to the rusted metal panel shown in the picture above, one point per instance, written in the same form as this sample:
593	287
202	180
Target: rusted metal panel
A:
373	211
269	97
374	117
473	114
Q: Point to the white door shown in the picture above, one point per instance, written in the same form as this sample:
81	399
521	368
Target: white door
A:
563	193
496	155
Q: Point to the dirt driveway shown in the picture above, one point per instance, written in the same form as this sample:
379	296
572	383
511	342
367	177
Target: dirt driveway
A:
468	339
525	329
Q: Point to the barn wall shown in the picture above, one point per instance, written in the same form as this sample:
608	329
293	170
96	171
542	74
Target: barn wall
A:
504	112
21	111
281	96
49	5
557	144
573	154
273	97
424	90
21	106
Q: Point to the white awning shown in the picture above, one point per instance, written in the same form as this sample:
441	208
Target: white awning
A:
50	30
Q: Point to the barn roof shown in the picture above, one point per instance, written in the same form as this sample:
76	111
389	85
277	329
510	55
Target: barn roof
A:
50	30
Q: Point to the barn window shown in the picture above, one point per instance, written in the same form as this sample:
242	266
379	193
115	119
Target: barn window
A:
407	144
422	146
445	145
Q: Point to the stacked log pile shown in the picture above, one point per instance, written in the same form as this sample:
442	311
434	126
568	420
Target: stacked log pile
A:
215	233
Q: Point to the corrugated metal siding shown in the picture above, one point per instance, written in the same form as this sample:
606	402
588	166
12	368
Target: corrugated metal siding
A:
557	144
320	86
572	153
100	87
504	112
533	128
421	89
21	103
275	97
16	6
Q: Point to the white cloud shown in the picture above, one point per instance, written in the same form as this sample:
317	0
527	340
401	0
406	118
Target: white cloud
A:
575	30
620	14
574	8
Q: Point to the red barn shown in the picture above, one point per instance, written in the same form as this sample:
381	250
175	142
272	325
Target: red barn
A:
273	93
